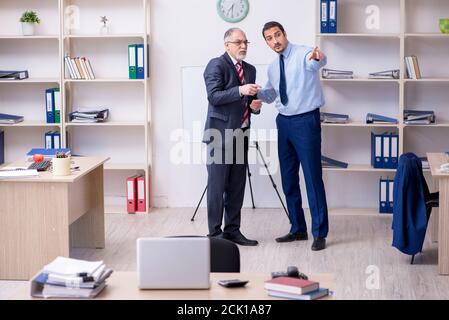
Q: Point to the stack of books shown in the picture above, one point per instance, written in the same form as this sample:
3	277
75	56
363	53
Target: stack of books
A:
13	75
79	68
84	115
327	117
10	118
419	117
332	163
70	278
376	118
336	74
294	288
412	67
388	74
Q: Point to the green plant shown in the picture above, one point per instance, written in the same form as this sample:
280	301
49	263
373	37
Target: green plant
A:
30	16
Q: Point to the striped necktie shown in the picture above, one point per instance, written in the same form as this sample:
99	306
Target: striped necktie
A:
245	119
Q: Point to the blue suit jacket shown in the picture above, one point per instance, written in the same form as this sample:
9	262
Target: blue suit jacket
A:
409	208
226	106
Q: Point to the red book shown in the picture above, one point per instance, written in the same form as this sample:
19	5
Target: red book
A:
292	285
131	194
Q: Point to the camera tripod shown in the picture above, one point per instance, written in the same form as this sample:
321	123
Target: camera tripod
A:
256	145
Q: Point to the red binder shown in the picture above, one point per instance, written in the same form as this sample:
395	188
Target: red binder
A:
141	194
131	194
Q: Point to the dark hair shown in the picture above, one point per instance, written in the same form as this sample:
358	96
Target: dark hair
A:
270	25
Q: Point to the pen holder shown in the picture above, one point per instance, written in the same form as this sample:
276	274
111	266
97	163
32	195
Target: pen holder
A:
61	166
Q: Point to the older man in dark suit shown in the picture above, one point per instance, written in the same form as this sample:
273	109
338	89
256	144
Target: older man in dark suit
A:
231	93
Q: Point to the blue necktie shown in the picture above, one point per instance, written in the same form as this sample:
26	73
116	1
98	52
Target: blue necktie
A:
282	82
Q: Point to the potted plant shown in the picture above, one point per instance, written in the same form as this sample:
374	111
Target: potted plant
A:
28	19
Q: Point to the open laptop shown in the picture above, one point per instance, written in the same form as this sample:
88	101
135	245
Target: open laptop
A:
173	263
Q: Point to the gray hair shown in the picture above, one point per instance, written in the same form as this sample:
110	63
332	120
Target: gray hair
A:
229	33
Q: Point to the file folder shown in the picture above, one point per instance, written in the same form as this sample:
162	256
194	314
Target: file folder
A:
56	140
332	16
140	74
383	186
141	192
131	194
132	66
49	100
57	104
2	146
394	151
324	16
376	150
390	195
49	140
386	150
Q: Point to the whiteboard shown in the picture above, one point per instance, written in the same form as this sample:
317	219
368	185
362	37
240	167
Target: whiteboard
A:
194	106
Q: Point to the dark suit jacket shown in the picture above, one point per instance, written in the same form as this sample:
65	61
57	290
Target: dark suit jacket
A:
226	106
409	208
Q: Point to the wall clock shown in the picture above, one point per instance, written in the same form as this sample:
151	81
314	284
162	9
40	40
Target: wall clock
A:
233	10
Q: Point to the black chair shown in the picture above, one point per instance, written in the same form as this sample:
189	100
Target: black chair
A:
224	254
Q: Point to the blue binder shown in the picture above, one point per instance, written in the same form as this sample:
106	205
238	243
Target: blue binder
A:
386	187
332	16
390	195
140	59
56	140
324	14
50	105
49	140
2	146
377	160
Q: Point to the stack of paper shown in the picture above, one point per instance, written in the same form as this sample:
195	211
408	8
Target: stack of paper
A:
336	74
419	117
10	118
376	118
327	117
70	278
332	163
13	75
388	74
89	115
17	173
294	288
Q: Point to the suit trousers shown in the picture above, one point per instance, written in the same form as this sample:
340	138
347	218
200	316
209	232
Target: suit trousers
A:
299	143
226	188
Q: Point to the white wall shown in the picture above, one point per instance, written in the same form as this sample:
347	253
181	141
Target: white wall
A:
190	33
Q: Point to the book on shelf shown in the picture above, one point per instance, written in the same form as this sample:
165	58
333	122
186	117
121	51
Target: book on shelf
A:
387	74
376	118
6	118
419	117
13	75
326	117
319	293
70	278
336	74
327	162
412	67
291	285
88	115
79	68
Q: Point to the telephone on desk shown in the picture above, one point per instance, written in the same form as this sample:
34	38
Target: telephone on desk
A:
292	272
444	168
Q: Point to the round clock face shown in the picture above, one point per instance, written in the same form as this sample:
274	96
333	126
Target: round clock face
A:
233	10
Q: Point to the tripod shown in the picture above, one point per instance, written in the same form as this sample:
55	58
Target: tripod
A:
250	186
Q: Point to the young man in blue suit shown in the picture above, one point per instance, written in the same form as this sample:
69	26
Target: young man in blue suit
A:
294	85
231	93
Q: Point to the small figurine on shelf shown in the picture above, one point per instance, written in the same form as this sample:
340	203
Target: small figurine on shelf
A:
104	28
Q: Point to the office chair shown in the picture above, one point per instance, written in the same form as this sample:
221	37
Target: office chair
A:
224	254
412	200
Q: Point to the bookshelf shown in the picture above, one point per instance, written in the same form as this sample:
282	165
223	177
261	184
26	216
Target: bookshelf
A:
407	27
73	27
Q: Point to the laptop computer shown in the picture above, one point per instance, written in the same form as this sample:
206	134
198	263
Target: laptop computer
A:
173	263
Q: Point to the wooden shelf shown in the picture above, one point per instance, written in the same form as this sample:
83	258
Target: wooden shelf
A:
360	80
32	80
435	125
360	124
426	35
428	80
359	168
106	36
106	124
359	35
106	80
31	123
125	166
21	37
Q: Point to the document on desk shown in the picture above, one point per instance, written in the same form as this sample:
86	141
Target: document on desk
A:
5	174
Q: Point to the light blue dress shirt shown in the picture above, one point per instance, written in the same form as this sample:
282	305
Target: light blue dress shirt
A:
303	81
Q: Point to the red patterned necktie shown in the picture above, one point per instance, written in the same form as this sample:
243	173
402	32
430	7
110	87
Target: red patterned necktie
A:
245	119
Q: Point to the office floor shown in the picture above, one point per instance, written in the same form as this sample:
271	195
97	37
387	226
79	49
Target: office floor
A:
355	245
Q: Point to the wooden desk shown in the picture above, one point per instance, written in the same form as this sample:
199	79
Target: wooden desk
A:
36	212
123	286
435	160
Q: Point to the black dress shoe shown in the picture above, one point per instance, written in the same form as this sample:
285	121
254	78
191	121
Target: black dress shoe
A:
240	239
318	244
289	237
216	235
